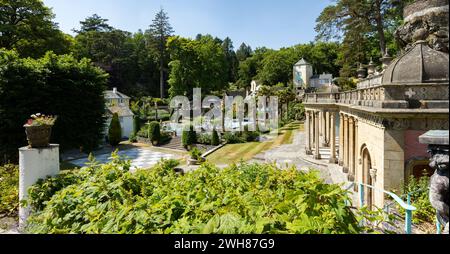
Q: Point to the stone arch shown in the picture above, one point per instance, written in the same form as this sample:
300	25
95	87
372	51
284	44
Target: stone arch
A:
367	174
416	165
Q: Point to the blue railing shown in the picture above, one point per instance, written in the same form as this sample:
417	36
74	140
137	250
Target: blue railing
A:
407	206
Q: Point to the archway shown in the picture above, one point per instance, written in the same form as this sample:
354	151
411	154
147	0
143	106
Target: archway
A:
366	178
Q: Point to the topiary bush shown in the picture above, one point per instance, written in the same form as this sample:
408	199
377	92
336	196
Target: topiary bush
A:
154	133
115	131
215	140
204	138
244	199
188	137
136	124
233	138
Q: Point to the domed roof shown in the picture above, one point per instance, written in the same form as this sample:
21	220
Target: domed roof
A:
421	64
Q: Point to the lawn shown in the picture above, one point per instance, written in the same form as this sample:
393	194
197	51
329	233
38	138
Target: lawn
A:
236	152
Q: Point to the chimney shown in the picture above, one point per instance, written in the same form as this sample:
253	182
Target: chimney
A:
115	90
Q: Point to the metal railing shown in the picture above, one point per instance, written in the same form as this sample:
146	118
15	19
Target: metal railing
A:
407	206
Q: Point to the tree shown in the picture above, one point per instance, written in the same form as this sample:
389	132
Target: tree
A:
359	23
243	52
95	23
160	30
27	26
232	63
115	131
196	63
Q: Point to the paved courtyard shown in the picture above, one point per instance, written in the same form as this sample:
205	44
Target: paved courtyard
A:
140	158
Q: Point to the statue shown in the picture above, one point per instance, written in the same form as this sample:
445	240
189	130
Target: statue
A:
439	186
438	147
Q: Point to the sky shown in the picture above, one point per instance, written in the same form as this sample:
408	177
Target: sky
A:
270	23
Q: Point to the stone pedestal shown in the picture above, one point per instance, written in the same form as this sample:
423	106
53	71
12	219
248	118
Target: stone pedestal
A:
35	164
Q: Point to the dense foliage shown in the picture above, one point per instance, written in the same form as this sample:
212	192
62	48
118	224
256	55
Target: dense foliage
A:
115	131
365	28
54	85
420	198
9	190
27	26
239	199
188	137
154	132
215	140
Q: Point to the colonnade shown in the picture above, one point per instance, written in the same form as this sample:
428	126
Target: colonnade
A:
320	129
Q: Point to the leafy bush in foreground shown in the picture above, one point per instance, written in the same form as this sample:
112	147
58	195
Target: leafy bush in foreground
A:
420	198
9	190
239	199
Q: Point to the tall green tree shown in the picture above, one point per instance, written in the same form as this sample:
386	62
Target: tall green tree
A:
243	52
232	63
94	23
358	23
160	30
27	26
196	63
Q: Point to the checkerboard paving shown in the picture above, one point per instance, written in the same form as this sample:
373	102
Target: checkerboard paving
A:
140	158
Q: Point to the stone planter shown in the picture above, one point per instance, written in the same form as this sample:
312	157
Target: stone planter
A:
192	162
38	136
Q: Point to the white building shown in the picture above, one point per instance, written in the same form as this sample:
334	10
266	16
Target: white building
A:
305	79
119	103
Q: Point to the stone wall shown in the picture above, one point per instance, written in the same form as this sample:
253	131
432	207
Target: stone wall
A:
369	136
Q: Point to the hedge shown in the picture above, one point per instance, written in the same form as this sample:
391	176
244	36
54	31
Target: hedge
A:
57	85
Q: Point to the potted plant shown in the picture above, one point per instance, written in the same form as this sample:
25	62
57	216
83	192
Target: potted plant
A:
195	157
39	129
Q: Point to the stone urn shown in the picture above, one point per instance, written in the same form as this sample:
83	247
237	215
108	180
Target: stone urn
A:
38	136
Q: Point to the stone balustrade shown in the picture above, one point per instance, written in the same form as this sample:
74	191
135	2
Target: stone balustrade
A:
370	97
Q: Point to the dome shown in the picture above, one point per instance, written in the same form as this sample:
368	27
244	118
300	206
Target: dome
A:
421	64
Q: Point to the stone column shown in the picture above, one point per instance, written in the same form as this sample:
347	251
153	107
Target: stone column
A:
35	164
316	130
323	118
341	139
307	134
311	131
332	138
351	148
345	166
327	128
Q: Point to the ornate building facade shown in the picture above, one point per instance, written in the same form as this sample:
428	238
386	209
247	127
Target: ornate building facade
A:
372	132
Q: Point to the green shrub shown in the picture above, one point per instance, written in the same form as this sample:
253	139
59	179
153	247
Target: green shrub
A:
9	190
244	199
233	138
154	133
189	137
165	138
204	138
215	140
420	198
196	154
249	136
115	131
55	85
136	125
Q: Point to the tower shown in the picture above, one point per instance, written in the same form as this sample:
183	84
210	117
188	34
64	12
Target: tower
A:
302	73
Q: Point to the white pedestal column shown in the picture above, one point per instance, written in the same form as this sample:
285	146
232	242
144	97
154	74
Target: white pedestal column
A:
35	164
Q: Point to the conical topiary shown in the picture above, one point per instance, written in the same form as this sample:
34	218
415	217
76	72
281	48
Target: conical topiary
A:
115	131
215	141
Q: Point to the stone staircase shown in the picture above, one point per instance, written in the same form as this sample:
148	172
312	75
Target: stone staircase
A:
175	144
